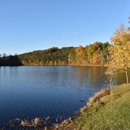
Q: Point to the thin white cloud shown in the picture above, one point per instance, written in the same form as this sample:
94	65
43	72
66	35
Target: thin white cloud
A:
72	33
63	32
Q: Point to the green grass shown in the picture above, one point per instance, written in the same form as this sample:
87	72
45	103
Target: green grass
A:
110	112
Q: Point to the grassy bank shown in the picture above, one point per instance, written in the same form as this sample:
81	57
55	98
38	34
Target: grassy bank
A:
107	110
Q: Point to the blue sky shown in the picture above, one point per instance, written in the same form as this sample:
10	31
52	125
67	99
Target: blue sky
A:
28	25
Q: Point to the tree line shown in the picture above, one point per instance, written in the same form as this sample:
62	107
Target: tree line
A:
10	60
51	56
93	54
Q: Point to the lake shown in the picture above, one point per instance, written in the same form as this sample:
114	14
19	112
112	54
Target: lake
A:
27	92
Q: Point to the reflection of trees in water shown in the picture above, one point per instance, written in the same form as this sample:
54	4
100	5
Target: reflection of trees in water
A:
80	74
121	78
96	72
92	76
96	76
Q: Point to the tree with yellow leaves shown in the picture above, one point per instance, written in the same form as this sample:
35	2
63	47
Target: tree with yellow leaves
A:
80	55
119	60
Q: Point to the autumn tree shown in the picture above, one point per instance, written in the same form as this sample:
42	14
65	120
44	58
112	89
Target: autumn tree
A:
93	52
119	59
111	69
72	56
80	55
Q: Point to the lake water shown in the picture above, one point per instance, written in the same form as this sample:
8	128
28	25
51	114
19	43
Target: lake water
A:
41	91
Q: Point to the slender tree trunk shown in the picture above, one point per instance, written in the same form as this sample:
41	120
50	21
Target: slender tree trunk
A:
111	85
127	81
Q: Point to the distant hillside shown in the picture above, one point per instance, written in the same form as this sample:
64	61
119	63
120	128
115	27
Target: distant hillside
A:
51	56
93	54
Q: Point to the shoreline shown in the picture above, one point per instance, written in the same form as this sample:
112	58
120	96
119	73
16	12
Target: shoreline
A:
104	99
67	122
58	65
101	108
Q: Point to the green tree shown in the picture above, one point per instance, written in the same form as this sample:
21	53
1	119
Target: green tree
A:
72	56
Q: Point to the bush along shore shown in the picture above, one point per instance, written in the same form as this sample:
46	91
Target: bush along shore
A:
108	109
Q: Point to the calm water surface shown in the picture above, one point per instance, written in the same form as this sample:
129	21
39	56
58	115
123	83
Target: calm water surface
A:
30	92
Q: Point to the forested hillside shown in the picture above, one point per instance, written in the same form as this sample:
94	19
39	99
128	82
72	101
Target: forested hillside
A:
52	56
93	54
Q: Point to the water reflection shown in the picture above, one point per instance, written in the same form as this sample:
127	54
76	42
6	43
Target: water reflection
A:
30	92
121	78
80	74
91	76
